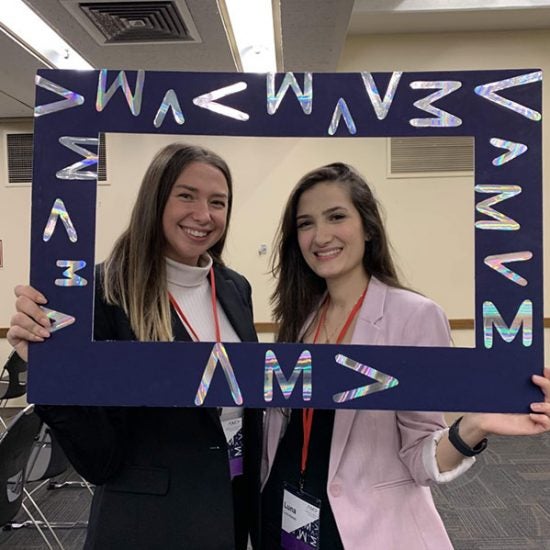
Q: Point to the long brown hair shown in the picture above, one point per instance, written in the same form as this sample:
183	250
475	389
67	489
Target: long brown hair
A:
135	271
299	289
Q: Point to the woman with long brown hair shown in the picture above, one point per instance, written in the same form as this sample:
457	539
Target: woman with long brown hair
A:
165	477
359	479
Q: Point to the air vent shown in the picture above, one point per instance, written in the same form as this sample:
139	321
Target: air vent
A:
102	158
130	22
19	154
431	155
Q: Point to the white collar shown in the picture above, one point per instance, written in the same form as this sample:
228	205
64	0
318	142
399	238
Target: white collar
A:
188	275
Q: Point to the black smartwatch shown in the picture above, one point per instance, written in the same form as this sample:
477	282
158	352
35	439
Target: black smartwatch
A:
458	443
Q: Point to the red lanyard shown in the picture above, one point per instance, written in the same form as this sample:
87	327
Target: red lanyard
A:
307	414
185	322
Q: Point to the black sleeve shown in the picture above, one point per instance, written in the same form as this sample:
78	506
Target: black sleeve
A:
93	438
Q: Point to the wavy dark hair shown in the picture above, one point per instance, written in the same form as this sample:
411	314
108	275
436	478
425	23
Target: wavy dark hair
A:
135	271
299	289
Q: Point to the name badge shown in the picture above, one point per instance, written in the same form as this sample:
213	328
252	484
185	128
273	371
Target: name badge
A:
233	429
301	520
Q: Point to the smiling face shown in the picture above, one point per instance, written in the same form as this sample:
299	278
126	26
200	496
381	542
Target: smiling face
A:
195	214
331	236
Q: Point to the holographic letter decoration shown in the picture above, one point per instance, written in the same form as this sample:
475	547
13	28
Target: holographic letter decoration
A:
59	211
274	99
501	222
340	111
58	320
134	100
383	381
488	91
514	150
72	99
495	262
207	101
381	107
218	354
303	366
72	279
74	171
444	119
524	317
170	101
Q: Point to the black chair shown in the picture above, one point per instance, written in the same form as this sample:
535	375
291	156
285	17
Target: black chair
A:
46	462
13	379
47	459
16	443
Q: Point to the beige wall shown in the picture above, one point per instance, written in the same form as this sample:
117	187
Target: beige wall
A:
464	51
14	226
265	170
15	235
438	263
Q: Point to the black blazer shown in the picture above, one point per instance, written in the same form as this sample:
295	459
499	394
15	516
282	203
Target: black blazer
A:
162	474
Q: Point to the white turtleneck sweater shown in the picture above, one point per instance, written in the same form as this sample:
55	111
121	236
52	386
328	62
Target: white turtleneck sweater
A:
190	288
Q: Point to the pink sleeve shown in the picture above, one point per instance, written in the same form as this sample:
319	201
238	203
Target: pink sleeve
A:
426	326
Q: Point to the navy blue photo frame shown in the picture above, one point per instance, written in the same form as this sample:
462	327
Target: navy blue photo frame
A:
501	109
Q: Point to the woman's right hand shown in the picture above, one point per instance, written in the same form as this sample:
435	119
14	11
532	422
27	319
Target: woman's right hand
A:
30	323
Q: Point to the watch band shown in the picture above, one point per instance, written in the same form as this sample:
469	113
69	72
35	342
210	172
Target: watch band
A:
460	445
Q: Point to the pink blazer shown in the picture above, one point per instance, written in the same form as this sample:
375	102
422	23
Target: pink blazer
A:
377	481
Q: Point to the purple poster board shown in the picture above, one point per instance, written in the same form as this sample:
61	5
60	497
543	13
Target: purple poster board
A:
500	109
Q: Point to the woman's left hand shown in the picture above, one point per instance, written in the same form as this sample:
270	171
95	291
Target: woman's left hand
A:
536	422
475	426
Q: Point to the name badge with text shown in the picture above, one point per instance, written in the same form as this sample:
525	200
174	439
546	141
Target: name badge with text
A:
300	520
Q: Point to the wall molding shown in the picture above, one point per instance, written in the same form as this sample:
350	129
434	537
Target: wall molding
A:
266	328
456	324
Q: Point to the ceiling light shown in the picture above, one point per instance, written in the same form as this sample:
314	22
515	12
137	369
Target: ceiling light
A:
251	23
24	26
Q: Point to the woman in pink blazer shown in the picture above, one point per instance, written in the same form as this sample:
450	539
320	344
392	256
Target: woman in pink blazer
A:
359	479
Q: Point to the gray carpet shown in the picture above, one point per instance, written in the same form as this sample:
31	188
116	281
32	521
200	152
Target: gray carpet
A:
503	503
67	505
